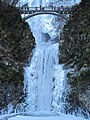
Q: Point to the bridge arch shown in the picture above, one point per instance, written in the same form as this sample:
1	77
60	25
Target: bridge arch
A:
42	13
33	11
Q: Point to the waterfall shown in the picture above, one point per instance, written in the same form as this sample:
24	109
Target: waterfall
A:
44	83
44	77
39	77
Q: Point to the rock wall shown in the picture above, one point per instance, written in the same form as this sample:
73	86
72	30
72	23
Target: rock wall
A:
16	44
10	2
75	54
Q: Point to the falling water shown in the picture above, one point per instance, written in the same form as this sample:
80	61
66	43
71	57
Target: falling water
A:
44	77
44	83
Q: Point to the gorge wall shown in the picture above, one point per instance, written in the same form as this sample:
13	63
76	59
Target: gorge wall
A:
10	2
16	44
75	54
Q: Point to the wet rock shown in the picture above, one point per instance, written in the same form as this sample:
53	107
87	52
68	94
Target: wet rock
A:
10	2
16	44
75	54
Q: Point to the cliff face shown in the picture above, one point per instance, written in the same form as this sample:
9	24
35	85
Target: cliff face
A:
75	54
16	44
10	2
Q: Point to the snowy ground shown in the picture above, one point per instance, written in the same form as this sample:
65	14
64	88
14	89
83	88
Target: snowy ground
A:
36	116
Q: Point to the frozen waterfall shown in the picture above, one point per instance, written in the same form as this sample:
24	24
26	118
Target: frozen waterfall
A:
44	77
39	76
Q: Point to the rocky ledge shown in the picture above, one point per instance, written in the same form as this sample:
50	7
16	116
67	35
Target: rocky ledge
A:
75	54
16	44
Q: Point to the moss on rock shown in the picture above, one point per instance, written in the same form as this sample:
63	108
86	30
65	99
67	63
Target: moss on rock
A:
16	44
75	53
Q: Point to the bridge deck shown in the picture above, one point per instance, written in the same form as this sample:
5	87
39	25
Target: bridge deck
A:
44	9
33	11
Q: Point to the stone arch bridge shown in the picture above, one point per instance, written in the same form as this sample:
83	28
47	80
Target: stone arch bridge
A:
29	12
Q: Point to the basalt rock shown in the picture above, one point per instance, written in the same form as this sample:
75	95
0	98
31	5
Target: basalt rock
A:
75	54
10	2
16	44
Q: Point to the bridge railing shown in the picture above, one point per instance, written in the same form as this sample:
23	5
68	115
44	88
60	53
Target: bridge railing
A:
45	8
